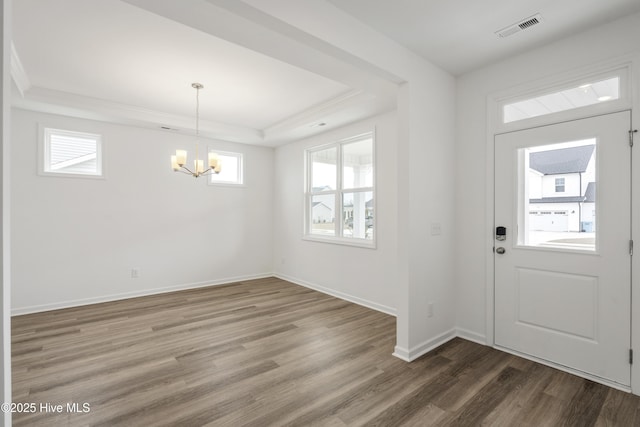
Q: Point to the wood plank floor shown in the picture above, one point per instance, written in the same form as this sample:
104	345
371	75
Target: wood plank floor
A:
267	352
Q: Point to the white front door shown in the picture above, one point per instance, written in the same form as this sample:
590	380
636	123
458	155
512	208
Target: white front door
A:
564	297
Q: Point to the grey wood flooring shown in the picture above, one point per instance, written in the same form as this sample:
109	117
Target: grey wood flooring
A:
267	352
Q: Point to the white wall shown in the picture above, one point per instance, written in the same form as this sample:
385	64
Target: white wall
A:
425	156
366	276
76	240
426	228
608	42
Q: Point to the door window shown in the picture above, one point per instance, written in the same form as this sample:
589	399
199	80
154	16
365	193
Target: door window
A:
557	186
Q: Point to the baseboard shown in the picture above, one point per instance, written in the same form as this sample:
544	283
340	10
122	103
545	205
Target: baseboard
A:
356	300
401	353
425	347
141	293
471	336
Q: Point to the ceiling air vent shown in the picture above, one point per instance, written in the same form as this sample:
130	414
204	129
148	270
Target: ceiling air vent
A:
519	26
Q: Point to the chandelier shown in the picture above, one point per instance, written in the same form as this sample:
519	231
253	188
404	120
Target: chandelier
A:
179	160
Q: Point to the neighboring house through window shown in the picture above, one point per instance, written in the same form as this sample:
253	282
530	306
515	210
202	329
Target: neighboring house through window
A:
562	188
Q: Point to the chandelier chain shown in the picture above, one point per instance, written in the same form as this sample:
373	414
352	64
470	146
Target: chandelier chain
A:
197	111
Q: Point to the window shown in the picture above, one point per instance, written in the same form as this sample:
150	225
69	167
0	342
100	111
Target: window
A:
560	208
595	91
231	169
70	153
340	192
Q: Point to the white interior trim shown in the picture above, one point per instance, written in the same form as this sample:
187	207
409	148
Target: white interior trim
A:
622	103
425	347
51	101
620	66
126	295
19	75
471	336
356	300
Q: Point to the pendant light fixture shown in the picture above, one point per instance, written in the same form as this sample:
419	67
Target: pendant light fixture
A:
179	160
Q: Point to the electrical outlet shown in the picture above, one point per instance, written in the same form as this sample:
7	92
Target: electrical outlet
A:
430	309
135	273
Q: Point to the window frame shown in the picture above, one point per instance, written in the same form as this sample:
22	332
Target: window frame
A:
338	194
44	167
558	90
560	183
239	182
559	83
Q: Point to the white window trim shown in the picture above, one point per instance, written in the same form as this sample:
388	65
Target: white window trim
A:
43	152
238	183
338	239
624	102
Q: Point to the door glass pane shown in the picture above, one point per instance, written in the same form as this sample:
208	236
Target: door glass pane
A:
558	195
357	164
323	169
357	215
323	214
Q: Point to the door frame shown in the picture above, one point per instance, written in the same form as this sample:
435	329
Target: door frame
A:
630	101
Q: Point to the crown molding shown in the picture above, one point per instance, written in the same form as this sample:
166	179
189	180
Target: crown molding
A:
316	113
57	102
346	108
18	73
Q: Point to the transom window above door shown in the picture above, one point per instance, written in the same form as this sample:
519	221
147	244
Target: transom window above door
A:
572	97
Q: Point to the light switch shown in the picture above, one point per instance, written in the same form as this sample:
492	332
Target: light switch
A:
436	229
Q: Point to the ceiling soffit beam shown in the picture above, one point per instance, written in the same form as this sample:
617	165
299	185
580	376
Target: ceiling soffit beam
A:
327	28
252	11
244	25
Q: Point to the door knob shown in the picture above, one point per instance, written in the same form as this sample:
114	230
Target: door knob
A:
500	250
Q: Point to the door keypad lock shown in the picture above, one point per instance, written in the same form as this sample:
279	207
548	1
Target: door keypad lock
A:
501	234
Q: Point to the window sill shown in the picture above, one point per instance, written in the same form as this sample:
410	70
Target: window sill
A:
227	184
343	241
71	175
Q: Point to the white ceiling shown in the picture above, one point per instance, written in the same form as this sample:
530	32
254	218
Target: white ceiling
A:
114	51
118	53
111	60
459	35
